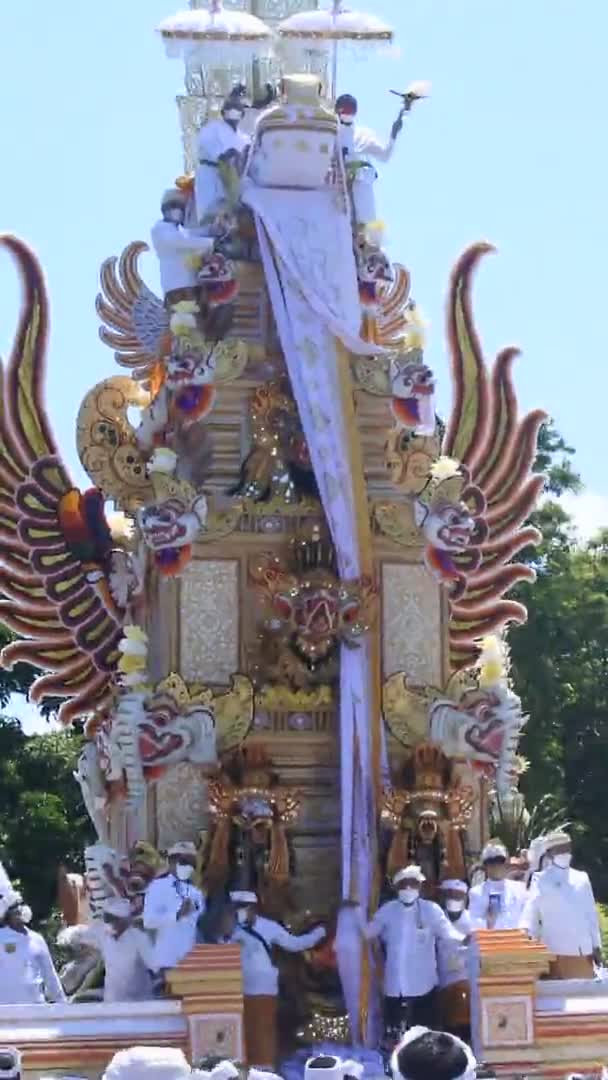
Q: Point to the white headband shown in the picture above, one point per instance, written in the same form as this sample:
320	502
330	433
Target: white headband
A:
454	885
415	1033
413	872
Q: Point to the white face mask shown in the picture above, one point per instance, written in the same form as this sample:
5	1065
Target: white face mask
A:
242	916
563	860
408	896
174	214
233	114
184	871
454	905
348	121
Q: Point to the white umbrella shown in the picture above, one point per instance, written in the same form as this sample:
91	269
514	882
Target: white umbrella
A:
316	29
215	36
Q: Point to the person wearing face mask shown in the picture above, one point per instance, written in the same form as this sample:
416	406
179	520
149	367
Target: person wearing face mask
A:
410	929
27	972
172	908
125	950
219	141
561	913
175	245
452	960
359	146
497	904
257	937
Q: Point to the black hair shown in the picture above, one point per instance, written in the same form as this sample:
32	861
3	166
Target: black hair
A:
322	1062
433	1056
346	99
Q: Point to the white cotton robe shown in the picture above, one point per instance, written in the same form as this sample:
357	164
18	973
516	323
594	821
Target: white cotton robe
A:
215	138
512	901
127	959
174	245
561	912
260	976
410	936
174	938
27	972
452	956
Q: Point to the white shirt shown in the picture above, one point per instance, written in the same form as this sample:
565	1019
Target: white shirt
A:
127	959
410	936
215	138
512	895
452	955
174	937
27	972
362	143
561	912
260	976
173	244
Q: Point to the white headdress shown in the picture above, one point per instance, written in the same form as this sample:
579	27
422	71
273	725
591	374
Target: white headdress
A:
183	847
555	839
117	906
333	1070
413	872
224	1070
455	885
259	1074
494	850
148	1063
9	900
415	1033
243	897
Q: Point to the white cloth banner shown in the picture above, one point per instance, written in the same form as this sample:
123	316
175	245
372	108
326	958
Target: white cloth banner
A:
307	252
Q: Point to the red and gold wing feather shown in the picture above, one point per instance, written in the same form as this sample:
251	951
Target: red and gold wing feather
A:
53	598
135	323
486	434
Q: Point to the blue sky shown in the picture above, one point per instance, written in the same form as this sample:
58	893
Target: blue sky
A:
510	148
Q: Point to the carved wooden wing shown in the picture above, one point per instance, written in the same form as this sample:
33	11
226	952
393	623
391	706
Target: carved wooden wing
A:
55	545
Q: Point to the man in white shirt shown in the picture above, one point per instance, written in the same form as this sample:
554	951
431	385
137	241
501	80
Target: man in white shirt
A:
27	972
175	246
561	913
126	951
257	936
410	929
498	902
359	146
220	143
172	908
452	960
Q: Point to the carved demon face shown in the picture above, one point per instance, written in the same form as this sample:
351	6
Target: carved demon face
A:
373	265
413	388
172	523
427	826
191	368
318	614
169	734
217	275
450	527
484	726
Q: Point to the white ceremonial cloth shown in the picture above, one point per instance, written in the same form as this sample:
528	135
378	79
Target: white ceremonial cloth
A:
411	936
173	245
512	900
452	955
27	972
561	912
307	250
215	138
127	959
260	976
174	938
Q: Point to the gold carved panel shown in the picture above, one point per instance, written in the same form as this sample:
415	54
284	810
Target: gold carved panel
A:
209	621
412	633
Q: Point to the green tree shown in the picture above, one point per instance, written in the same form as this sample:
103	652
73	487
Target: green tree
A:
43	821
560	665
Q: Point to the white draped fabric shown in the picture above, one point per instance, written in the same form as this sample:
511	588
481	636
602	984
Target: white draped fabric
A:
307	252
